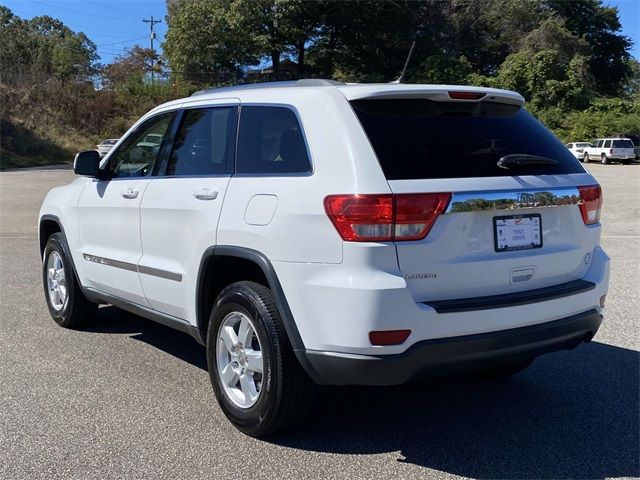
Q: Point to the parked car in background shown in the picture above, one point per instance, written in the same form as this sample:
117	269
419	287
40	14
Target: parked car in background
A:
610	149
577	148
105	146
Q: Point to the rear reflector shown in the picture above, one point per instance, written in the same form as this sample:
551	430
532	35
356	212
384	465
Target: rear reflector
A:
389	337
466	95
591	203
385	217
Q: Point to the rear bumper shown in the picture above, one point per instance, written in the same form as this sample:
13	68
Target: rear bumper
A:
452	355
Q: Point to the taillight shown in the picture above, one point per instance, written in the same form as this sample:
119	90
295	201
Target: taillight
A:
591	203
611	151
384	217
466	95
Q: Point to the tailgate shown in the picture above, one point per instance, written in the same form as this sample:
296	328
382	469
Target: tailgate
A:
492	241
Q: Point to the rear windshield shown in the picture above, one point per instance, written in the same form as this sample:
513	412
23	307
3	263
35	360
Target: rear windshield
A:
622	144
419	138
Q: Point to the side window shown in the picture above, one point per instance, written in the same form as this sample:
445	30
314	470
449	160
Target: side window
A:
204	144
140	150
607	143
598	144
569	145
271	142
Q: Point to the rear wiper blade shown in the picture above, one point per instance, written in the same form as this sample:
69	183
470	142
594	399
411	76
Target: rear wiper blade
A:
522	159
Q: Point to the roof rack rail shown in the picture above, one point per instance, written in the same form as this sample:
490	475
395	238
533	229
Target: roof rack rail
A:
305	82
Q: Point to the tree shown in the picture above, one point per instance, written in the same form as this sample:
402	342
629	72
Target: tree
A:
202	42
600	27
134	65
43	47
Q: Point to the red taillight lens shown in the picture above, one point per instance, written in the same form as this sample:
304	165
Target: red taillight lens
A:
466	95
611	151
385	218
388	337
591	203
361	218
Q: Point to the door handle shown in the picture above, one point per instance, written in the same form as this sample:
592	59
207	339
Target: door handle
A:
129	193
205	194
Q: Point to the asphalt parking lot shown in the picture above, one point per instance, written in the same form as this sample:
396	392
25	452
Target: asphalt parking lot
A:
127	398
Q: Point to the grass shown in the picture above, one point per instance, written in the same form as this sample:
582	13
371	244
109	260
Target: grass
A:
24	147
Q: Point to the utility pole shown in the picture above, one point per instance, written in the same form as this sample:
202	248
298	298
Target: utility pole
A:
152	37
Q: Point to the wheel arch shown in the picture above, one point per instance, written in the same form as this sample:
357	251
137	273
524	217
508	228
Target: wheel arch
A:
47	226
224	264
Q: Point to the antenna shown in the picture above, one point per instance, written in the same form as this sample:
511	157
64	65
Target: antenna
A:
152	37
400	79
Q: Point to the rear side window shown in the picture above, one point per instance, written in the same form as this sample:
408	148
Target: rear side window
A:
607	143
270	141
622	144
204	143
419	138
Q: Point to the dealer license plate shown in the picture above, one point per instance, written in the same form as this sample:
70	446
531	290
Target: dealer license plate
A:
517	232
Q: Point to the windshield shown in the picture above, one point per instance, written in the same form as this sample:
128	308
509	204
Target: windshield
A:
419	138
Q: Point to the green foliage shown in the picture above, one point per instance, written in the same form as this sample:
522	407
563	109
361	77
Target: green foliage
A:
33	50
568	59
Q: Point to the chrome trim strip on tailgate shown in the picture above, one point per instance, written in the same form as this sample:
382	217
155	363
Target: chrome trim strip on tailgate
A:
513	199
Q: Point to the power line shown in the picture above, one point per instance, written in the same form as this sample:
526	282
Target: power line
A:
80	13
123	41
113	7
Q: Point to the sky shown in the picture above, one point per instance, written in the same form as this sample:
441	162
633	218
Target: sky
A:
114	25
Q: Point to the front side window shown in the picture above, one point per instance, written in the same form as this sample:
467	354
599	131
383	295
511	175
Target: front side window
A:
204	144
139	152
270	141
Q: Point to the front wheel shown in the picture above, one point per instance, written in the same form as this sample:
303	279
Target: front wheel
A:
585	158
67	304
257	380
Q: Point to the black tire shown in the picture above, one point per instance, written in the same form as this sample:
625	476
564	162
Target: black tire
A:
286	393
585	158
603	159
505	370
76	309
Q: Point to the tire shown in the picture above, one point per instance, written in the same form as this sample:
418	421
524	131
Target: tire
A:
69	308
603	159
585	158
282	393
505	370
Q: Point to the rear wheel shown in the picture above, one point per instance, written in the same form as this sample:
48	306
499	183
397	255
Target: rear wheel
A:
585	158
257	380
67	304
603	159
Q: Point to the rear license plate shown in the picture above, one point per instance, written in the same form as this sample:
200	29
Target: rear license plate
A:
517	232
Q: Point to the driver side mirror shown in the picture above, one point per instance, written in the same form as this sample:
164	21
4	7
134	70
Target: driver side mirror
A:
87	164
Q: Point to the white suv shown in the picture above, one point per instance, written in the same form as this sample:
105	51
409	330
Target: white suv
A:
610	149
313	232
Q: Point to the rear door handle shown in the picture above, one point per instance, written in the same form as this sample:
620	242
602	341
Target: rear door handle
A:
205	194
129	193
